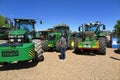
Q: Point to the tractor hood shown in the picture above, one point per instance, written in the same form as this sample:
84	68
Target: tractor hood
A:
17	32
89	34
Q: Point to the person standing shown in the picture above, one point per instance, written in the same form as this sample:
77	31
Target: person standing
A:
119	46
62	48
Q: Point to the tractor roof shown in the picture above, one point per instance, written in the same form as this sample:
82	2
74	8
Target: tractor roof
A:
62	25
93	24
24	20
44	30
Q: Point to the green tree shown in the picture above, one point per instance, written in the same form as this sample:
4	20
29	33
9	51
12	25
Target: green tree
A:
117	27
3	21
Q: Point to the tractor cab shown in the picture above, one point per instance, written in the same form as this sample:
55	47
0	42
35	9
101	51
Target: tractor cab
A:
44	34
63	29
93	27
24	31
25	24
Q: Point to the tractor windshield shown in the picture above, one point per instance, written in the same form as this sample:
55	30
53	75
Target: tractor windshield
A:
43	33
63	31
25	26
90	28
51	37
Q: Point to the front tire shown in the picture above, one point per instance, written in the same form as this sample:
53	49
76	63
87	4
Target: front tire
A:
44	45
38	50
76	50
102	44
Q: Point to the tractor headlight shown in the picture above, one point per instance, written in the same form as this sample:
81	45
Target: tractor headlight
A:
11	36
19	40
12	40
16	38
21	36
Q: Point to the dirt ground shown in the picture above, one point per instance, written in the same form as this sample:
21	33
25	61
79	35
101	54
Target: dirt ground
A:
76	67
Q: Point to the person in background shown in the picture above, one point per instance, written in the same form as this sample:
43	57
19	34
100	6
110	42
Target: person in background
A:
62	48
118	46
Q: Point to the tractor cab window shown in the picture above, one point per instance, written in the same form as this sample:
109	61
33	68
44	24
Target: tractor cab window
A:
43	33
90	28
63	31
25	26
51	37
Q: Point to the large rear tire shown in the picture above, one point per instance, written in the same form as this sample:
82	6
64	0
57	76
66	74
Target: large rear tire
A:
38	50
76	50
44	45
102	44
58	46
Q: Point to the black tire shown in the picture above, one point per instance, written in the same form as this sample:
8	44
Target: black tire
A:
44	45
37	59
4	63
76	50
102	44
1	63
41	58
38	49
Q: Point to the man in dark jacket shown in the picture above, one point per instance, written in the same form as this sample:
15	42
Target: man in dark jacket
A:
62	47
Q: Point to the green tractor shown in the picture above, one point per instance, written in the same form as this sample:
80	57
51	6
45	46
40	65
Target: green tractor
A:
53	37
44	38
23	43
91	39
5	29
52	43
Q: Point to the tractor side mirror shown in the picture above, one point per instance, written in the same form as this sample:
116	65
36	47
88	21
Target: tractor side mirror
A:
79	29
41	22
103	27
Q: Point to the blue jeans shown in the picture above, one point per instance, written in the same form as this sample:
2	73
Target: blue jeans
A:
62	50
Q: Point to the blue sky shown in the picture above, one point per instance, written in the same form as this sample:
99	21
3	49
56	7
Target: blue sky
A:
72	12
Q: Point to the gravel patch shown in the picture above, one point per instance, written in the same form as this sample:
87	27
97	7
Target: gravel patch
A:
76	67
